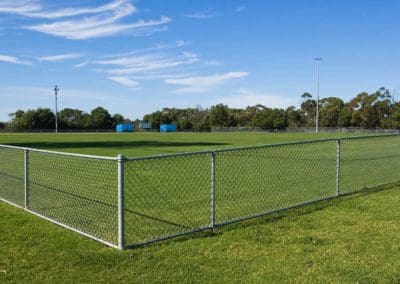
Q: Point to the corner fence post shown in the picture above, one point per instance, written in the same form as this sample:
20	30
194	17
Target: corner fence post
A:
212	197
26	184
121	222
338	167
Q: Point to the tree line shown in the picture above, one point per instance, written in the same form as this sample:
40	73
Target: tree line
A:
44	118
378	109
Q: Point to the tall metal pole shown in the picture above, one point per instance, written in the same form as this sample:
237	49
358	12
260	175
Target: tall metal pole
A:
318	59
56	89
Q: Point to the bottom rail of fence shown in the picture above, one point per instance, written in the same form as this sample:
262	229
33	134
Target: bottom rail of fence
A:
202	229
10	203
275	211
72	229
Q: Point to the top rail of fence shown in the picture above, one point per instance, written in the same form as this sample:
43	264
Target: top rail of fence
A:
256	147
59	153
369	136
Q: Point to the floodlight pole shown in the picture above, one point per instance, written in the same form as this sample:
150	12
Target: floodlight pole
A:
318	59
56	89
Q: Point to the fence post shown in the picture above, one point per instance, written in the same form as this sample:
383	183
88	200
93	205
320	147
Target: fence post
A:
121	222
26	184
212	197
338	167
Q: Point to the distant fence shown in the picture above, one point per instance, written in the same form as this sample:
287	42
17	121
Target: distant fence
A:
307	130
126	202
59	130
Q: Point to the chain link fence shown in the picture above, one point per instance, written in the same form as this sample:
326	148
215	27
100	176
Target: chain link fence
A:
126	202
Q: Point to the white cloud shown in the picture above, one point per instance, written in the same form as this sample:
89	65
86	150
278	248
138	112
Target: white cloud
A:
31	8
212	63
83	64
19	6
200	15
105	20
60	57
147	62
201	84
124	81
244	98
13	60
180	43
96	26
240	9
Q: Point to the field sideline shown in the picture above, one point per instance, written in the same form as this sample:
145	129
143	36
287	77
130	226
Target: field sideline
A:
353	238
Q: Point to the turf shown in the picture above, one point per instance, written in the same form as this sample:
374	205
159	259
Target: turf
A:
181	197
353	239
146	144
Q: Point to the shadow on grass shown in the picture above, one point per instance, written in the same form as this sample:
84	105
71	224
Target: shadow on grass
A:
285	213
113	144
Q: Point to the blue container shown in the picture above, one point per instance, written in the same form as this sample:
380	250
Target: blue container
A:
167	128
125	128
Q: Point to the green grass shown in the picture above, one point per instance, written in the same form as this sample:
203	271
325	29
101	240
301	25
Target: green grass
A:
145	144
331	241
354	239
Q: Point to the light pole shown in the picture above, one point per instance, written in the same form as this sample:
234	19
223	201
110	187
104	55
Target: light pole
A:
56	89
318	59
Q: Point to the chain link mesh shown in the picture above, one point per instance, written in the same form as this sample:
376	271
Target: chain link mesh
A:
258	180
367	162
12	175
166	196
76	191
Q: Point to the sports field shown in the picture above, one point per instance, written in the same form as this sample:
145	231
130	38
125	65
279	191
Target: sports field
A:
261	244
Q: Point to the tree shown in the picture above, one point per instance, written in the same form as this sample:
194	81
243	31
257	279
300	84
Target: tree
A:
330	109
294	118
17	122
219	115
308	112
117	119
100	118
345	116
71	118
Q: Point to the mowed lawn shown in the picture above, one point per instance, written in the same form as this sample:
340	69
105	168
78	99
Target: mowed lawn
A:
353	238
146	144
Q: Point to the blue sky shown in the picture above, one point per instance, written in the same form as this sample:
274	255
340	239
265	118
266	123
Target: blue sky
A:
135	57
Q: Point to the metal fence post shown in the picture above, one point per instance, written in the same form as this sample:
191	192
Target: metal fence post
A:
212	197
121	222
338	167
26	183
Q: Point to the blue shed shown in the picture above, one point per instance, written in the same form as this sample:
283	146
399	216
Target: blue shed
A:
125	128
167	128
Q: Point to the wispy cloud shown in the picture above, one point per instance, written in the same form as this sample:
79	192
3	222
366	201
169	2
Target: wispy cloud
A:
97	26
60	57
199	84
182	43
245	97
212	63
33	9
200	15
83	64
13	60
104	21
124	81
139	64
240	9
19	6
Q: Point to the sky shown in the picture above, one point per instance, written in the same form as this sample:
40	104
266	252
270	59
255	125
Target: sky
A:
137	56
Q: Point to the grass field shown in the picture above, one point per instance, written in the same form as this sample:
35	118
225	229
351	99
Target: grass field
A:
146	144
305	244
